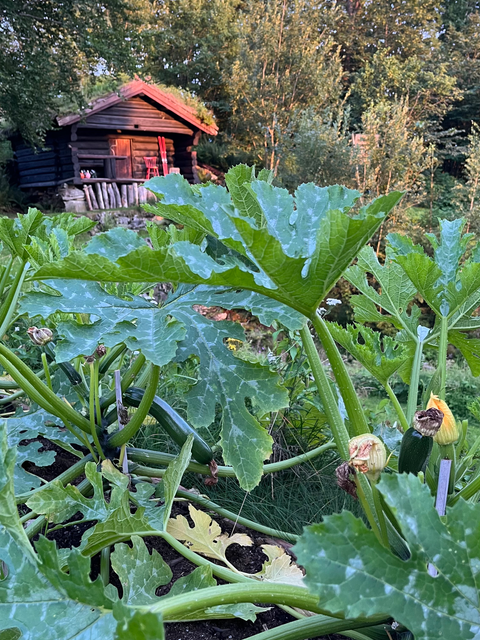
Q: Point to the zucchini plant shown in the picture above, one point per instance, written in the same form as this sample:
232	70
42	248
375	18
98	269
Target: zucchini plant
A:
254	246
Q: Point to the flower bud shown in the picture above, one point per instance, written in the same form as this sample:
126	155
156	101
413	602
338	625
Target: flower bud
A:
448	432
428	422
39	336
368	455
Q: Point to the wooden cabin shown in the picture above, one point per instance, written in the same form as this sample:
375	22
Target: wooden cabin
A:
112	137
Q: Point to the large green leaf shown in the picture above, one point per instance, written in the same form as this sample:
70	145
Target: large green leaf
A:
224	379
295	261
469	348
344	559
15	233
381	357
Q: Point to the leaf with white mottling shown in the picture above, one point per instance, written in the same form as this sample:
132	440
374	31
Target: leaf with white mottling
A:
355	576
140	572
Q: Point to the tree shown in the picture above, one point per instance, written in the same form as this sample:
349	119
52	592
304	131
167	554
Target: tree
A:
48	47
286	61
191	45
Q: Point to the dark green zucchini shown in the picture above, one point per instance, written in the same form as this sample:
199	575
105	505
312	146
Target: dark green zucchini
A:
172	422
414	452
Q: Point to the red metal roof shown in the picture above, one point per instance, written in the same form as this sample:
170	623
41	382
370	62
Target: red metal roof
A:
140	88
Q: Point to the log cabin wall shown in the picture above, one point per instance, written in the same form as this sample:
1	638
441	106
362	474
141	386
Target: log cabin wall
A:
49	166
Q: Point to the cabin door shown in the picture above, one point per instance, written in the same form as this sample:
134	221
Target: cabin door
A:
122	147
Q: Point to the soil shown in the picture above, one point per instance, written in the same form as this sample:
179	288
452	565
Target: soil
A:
249	559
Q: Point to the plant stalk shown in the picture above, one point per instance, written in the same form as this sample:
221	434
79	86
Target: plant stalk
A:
7	310
5	275
105	565
127	379
108	359
442	355
176	606
127	433
412	401
354	409
39	392
325	392
47	372
157	457
398	408
93	426
311	627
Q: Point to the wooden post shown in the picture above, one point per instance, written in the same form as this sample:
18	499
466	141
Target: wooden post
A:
124	195
105	194
87	197
118	200
142	195
92	197
111	197
131	196
135	191
101	203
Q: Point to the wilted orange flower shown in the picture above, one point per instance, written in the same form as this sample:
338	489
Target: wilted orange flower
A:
448	432
368	455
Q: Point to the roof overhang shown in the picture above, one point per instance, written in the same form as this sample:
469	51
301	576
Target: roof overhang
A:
140	88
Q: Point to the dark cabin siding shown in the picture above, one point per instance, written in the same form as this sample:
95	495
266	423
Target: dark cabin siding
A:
49	166
98	142
138	115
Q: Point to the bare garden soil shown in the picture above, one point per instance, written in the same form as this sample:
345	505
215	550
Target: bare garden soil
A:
248	559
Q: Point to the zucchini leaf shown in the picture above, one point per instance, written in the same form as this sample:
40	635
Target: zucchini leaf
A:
295	248
382	357
344	559
176	331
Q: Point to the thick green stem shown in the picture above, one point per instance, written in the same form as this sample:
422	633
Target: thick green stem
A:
380	515
7	310
414	382
123	436
176	606
47	372
157	457
330	404
468	491
93	426
208	504
105	565
442	355
108	359
12	397
38	391
356	416
311	627
398	408
360	481
127	379
5	275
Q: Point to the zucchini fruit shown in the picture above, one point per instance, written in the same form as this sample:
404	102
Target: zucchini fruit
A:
172	422
414	452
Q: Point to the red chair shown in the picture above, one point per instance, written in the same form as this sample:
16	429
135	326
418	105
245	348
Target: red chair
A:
151	166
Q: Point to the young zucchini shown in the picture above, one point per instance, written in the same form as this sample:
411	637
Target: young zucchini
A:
415	451
417	442
172	422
